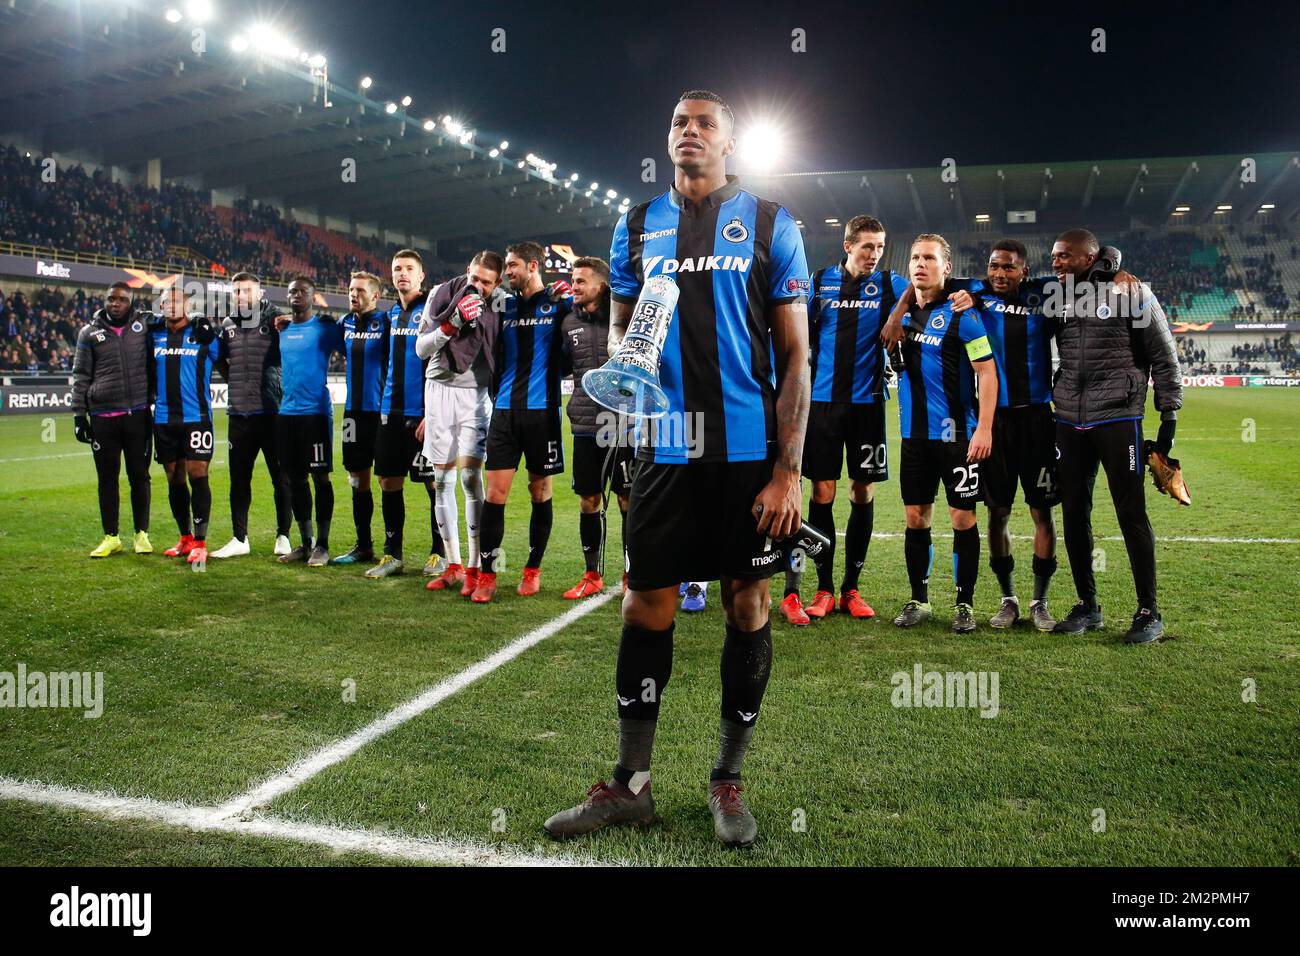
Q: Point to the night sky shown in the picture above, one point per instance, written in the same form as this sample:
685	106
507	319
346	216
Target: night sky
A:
591	86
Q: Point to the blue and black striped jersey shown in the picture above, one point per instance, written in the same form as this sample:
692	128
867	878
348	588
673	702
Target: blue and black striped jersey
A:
936	392
529	347
1021	335
305	349
733	255
183	370
845	315
365	344
404	383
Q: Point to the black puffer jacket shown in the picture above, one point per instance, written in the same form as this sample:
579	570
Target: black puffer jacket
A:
111	372
1106	359
586	344
252	366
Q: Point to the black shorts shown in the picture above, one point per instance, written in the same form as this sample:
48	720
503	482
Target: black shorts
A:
360	431
188	441
927	461
1024	452
306	444
533	434
839	428
694	523
398	453
589	464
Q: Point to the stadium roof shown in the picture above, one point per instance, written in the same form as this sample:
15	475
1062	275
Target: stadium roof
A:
121	84
1196	190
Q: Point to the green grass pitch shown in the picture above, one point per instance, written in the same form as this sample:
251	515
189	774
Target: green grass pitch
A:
216	681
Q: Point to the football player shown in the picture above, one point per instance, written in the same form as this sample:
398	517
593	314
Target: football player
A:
944	353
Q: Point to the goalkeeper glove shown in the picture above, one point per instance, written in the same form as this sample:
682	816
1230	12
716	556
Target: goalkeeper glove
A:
81	429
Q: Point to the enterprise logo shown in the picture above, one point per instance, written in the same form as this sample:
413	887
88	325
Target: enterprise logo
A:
182	350
657	234
855	304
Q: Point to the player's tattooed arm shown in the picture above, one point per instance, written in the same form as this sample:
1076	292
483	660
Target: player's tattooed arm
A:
891	333
620	314
781	500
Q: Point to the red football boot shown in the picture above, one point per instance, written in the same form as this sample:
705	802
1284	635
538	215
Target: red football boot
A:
453	577
793	610
182	547
590	583
822	604
851	603
485	588
531	582
471	581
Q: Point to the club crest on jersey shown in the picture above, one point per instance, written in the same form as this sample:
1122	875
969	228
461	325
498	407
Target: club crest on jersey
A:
137	327
735	231
374	325
545	309
1103	312
936	321
871	289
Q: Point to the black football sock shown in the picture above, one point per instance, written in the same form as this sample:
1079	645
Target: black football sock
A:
918	554
363	512
178	496
283	495
539	531
491	530
857	537
324	509
792	581
1004	566
645	664
589	534
201	503
1044	568
821	515
434	534
393	506
966	563
746	666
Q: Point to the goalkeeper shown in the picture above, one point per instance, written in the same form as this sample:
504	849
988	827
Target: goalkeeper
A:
1110	344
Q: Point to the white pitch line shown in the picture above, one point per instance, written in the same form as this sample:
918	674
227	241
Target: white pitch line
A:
340	839
1115	537
303	770
71	454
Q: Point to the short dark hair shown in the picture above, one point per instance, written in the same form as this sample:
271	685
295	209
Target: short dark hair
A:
528	251
1081	236
244	277
119	284
711	97
489	260
409	254
300	278
595	264
1011	245
862	224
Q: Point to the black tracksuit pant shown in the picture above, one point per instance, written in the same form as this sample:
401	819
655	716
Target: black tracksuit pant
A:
1117	447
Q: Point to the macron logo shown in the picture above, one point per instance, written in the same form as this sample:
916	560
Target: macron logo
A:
103	909
697	264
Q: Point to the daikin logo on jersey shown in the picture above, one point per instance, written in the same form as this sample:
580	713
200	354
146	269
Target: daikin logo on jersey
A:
697	264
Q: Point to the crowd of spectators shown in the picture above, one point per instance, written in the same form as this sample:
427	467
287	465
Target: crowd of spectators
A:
1247	359
87	212
40	334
